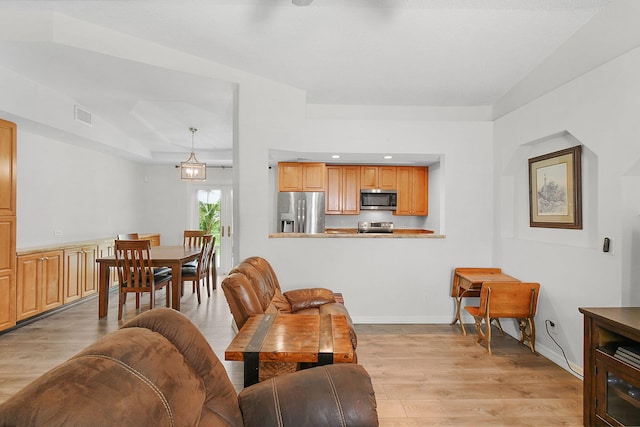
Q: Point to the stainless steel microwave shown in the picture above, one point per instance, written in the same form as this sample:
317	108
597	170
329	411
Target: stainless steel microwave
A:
382	200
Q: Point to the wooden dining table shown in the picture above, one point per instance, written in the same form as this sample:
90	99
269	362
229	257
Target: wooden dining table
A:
470	282
161	256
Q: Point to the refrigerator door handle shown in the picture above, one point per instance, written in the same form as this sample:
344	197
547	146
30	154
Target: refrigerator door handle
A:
303	221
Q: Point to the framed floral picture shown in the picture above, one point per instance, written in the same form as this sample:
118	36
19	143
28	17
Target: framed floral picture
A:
555	190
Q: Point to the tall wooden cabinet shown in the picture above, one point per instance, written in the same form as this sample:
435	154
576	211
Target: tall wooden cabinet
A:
39	284
413	190
8	174
611	366
342	195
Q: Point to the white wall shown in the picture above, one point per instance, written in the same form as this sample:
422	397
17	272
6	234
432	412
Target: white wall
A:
598	110
383	280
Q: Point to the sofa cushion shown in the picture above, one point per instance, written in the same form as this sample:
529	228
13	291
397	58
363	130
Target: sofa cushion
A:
220	407
281	303
301	299
278	402
241	297
263	289
132	377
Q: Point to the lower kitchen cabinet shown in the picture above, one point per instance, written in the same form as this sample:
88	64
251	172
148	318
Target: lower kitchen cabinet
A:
39	283
80	272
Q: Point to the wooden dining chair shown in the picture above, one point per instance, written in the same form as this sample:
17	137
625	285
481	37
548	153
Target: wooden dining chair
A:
194	237
517	300
198	272
136	274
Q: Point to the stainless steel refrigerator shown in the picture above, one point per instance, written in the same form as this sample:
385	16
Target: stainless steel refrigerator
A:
301	212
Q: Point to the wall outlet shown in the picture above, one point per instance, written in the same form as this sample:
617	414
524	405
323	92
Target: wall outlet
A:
553	327
57	233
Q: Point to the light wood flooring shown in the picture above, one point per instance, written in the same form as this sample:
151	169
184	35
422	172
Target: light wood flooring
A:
423	375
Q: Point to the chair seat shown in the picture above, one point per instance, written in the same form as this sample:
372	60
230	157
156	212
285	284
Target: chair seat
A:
159	271
188	270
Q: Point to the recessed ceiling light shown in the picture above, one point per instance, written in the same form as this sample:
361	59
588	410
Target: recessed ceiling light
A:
302	2
335	156
388	157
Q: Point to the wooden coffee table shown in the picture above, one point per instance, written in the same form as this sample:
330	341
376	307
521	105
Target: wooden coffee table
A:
322	339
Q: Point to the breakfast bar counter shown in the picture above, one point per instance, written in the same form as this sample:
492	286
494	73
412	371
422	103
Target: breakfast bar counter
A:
353	233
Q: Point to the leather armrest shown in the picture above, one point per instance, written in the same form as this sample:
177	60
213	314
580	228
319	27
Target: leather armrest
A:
331	395
300	299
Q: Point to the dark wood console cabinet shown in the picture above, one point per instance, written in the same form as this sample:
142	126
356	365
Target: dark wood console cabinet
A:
611	366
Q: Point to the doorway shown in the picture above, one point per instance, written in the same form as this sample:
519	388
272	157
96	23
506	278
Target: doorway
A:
215	215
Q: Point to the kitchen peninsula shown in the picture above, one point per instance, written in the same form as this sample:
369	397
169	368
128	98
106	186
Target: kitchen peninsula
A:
353	234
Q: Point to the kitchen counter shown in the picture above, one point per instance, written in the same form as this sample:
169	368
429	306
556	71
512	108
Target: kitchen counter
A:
353	233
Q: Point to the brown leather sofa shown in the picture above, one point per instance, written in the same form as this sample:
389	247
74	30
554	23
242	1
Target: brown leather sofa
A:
252	287
159	370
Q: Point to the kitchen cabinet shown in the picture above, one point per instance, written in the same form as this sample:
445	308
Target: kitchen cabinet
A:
301	176
80	272
8	174
374	177
39	284
413	190
611	387
342	190
107	248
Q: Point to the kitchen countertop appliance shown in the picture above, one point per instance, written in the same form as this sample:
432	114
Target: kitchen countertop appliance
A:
375	227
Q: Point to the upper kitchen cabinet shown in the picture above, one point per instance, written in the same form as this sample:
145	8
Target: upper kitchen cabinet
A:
343	190
296	176
382	177
413	190
8	147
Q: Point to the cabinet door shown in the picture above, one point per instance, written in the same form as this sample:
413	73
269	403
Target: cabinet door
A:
8	171
50	280
72	274
28	301
387	177
420	190
351	190
369	177
404	190
89	270
313	176
7	272
413	186
333	200
289	176
7	301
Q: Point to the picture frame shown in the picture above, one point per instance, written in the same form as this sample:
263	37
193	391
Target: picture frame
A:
555	189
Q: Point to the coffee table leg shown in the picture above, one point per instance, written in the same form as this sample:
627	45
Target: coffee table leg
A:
251	368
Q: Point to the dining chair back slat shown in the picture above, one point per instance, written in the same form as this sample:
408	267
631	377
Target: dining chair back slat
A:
136	273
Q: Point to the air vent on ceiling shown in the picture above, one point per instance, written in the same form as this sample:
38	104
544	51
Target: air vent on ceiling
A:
83	116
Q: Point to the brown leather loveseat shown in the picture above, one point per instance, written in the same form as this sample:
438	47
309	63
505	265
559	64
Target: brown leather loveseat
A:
253	288
159	370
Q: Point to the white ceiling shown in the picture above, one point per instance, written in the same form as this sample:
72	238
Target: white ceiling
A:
350	52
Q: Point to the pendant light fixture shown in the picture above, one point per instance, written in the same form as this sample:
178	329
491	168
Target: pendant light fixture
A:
192	170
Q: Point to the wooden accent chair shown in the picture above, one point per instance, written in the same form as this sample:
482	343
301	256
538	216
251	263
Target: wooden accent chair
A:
194	237
196	273
128	236
136	274
516	300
